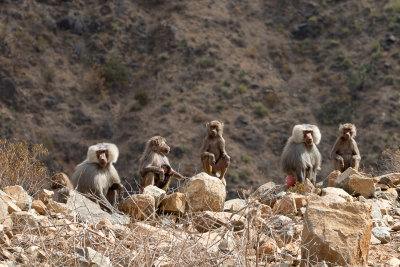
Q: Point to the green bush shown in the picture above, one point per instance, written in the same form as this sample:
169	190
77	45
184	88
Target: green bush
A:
260	110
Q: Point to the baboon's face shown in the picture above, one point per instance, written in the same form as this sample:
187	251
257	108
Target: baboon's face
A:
347	133
308	137
102	156
213	129
160	146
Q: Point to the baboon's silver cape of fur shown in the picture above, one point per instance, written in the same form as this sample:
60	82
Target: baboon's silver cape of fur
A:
296	154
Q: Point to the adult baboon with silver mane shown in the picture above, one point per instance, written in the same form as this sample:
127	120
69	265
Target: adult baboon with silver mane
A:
301	157
345	151
97	175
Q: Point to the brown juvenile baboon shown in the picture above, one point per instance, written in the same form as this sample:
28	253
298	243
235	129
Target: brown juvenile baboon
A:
97	176
345	152
62	187
300	157
153	164
213	154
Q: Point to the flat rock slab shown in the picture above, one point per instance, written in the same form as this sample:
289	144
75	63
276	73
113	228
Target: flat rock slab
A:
91	212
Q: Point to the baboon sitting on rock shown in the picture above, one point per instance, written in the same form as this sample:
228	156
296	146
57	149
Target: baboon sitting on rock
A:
345	151
213	154
301	157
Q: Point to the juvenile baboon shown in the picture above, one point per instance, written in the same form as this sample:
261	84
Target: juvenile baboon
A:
62	187
300	157
153	164
345	152
97	175
213	154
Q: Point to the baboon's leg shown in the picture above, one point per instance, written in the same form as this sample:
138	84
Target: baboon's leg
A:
166	186
112	196
355	163
207	166
148	180
222	167
338	165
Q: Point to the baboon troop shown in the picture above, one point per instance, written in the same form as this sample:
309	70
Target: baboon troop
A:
213	155
345	152
154	166
61	186
97	176
301	157
300	160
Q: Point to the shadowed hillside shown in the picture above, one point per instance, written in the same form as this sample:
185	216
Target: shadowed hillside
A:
74	73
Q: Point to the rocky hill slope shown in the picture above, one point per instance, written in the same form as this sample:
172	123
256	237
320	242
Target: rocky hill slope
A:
74	73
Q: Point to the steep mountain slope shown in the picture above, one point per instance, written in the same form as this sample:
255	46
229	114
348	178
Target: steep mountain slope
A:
74	73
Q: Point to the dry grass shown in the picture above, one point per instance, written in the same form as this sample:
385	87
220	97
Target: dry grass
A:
391	160
20	165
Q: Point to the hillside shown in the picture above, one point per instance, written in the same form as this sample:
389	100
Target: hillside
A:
74	73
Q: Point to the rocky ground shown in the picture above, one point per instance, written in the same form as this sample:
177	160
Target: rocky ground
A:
197	227
74	73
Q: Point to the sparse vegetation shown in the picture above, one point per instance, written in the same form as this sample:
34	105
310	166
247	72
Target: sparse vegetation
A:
206	63
114	73
20	165
260	110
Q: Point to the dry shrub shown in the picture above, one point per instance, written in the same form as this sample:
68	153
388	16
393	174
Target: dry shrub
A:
20	165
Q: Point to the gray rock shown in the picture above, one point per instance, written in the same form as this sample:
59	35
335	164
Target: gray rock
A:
89	211
382	233
375	211
89	257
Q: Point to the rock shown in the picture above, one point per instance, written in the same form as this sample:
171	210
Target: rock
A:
285	206
390	194
175	202
155	192
139	207
24	201
39	206
279	221
382	233
4	240
58	207
332	178
88	211
308	187
356	183
35	252
374	240
396	227
375	211
23	219
337	192
391	179
235	205
8	91
337	232
300	200
267	246
332	198
10	202
44	195
384	205
3	210
90	257
264	190
204	192
394	262
208	220
227	244
388	220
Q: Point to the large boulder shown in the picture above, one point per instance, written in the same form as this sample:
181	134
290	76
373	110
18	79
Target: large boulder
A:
337	192
356	183
174	203
332	177
338	233
204	192
235	205
264	190
155	192
89	211
140	207
286	206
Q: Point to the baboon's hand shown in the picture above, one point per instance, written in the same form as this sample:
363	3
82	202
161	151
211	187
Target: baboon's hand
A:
212	159
227	157
340	158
